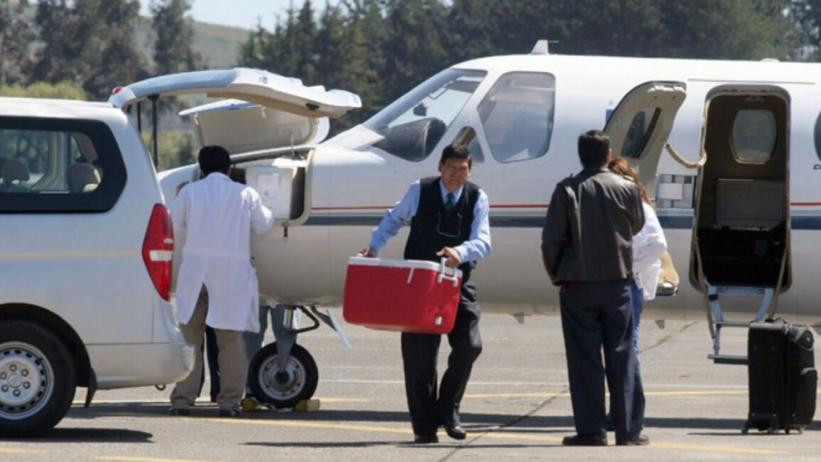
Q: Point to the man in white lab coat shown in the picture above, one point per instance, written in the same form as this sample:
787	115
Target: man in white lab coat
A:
217	286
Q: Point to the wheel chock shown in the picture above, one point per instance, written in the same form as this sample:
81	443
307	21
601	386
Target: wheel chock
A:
251	404
307	405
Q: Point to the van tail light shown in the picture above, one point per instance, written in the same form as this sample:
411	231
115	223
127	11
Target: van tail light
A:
158	250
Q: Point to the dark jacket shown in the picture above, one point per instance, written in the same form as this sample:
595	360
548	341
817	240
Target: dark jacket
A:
591	221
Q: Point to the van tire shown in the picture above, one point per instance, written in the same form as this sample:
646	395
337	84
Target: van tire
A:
37	379
301	382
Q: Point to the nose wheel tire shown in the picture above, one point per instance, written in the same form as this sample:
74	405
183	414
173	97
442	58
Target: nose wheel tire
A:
285	388
37	379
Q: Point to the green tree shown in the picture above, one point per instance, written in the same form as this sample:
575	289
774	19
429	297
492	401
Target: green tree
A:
806	16
418	45
730	29
119	62
301	37
368	40
70	40
16	34
88	41
61	90
174	37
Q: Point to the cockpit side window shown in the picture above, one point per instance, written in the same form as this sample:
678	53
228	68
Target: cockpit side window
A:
415	123
517	116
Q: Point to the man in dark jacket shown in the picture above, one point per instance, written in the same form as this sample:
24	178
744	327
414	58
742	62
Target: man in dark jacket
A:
587	251
448	216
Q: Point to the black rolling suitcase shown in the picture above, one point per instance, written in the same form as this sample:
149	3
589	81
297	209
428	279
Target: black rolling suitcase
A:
782	376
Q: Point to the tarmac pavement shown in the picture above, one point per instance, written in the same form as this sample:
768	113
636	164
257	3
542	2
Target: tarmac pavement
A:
516	408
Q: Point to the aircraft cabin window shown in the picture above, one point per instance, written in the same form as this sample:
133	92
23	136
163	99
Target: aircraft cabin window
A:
818	136
517	115
415	123
639	132
754	135
46	167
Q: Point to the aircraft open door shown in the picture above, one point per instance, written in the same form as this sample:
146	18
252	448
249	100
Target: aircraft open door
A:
741	230
640	125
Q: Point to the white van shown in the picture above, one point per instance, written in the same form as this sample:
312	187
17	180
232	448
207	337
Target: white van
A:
85	261
87	244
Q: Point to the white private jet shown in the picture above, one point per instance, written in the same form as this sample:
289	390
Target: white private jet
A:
739	207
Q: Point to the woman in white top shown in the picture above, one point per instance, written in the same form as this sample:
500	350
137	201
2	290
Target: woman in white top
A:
648	247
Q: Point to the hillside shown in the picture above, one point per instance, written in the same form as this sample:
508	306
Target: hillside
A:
218	45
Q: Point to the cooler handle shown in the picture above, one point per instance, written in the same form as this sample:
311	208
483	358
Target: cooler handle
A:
443	273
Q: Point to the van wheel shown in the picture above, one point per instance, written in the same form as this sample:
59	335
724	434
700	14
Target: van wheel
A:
283	389
37	379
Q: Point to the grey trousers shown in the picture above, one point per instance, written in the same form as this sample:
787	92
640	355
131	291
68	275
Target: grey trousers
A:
598	316
233	364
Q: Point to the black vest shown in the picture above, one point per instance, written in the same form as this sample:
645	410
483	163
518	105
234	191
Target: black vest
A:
434	227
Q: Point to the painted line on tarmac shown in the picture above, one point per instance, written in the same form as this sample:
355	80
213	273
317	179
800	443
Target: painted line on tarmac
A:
207	401
545	394
684	447
500	435
535	384
147	459
19	451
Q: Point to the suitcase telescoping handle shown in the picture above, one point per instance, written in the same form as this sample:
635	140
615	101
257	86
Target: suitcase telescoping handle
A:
446	272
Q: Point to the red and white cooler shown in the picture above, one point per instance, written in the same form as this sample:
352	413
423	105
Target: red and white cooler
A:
401	295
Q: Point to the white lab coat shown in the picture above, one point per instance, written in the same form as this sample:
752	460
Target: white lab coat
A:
216	215
648	247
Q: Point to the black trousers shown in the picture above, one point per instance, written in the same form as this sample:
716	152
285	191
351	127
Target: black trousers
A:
419	353
596	316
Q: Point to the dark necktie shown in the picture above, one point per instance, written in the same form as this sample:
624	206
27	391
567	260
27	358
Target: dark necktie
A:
449	204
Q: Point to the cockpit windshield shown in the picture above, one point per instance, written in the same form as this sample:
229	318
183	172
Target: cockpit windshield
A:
426	111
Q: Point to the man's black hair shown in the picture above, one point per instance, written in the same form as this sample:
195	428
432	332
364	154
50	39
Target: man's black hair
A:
214	159
455	151
593	148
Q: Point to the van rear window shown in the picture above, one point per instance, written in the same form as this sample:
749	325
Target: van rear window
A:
53	165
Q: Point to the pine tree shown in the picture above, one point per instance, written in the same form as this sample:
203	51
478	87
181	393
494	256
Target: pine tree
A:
174	37
418	45
303	38
119	62
16	34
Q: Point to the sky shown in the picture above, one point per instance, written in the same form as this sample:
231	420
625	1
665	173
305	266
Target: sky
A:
239	13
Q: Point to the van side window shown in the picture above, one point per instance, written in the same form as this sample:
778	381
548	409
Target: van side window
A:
517	116
754	135
51	165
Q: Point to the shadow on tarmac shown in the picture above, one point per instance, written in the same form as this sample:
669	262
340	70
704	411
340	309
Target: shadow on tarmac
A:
88	435
471	421
400	444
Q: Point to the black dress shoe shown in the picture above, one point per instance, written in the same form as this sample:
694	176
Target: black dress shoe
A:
585	440
425	439
639	440
455	431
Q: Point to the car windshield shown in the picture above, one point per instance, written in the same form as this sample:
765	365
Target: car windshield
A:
440	97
